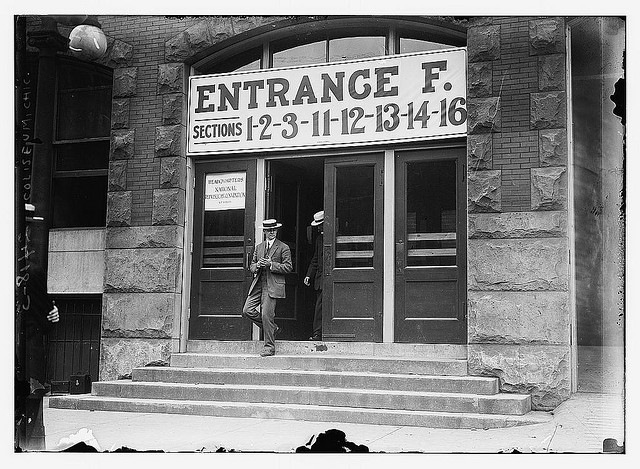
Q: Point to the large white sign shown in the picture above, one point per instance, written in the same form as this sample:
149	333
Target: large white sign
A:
389	99
224	191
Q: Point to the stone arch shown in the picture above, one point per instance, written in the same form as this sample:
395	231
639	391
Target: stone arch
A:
196	41
204	37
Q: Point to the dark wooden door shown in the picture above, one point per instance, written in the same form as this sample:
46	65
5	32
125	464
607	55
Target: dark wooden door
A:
353	245
223	240
430	239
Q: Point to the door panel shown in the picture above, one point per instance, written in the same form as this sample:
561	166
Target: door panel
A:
222	244
430	234
432	300
353	244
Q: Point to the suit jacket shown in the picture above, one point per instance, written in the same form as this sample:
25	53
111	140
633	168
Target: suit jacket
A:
316	265
280	255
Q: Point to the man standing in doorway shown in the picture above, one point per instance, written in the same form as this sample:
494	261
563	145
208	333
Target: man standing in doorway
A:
315	272
271	260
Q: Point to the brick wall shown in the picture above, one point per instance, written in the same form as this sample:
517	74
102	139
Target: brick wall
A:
508	70
515	76
146	35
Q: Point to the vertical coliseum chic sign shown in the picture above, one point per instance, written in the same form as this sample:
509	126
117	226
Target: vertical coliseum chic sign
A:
390	99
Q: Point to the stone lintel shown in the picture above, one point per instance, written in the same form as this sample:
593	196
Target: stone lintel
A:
518	225
537	264
151	270
141	315
139	237
523	318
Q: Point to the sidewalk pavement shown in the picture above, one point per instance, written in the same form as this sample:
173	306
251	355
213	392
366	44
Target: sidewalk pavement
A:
579	425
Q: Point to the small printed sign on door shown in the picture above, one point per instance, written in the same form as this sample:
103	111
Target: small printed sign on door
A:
224	191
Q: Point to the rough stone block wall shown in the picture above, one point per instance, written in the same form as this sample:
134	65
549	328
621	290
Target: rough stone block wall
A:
518	263
146	198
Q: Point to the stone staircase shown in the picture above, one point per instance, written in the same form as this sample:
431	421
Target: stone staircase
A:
387	384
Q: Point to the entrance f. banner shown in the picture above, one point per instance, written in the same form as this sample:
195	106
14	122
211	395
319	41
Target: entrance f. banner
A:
390	99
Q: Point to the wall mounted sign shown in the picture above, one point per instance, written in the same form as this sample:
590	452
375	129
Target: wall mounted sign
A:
390	99
224	191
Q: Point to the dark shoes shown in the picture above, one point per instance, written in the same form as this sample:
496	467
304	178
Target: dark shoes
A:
316	338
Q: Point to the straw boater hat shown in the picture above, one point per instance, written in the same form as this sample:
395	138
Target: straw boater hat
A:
318	218
270	224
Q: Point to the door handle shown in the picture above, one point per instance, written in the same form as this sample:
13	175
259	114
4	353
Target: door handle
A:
399	257
248	250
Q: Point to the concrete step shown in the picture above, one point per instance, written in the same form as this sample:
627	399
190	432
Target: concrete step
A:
299	412
508	404
342	363
372	349
333	379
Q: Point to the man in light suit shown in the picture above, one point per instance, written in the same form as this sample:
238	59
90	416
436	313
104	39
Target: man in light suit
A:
271	260
314	273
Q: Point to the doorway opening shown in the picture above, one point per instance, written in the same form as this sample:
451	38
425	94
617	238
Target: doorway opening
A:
294	192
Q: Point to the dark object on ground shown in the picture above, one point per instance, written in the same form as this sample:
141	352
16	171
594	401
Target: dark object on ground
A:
126	449
158	363
610	445
80	447
331	441
80	383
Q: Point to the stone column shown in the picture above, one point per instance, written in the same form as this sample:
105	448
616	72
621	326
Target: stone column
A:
518	264
143	264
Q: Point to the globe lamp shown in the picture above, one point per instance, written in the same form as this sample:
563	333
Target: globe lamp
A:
87	42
